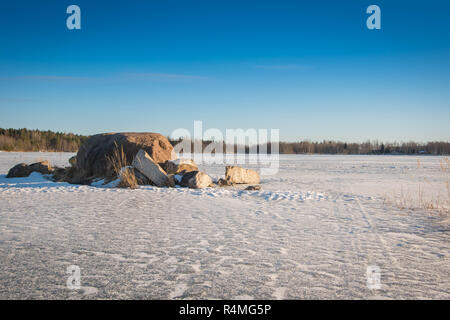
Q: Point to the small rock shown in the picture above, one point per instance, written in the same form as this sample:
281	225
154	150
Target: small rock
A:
224	183
179	166
257	187
236	174
196	180
23	170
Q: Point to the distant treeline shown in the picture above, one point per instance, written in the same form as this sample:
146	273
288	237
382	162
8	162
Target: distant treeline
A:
369	147
36	140
336	147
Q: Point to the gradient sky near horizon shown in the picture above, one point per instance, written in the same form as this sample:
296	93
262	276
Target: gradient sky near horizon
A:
309	68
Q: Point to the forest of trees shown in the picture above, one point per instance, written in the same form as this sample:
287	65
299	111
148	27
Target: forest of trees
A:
369	147
36	140
336	147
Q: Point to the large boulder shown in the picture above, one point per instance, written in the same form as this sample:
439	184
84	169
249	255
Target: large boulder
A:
196	180
23	170
235	174
179	166
92	157
150	168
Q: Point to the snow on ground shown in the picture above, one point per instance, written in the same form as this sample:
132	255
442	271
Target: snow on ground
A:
310	233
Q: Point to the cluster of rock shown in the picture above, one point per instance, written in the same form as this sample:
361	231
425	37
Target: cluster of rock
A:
23	170
183	172
92	160
152	158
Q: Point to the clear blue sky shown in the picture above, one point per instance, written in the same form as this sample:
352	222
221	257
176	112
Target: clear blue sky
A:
310	68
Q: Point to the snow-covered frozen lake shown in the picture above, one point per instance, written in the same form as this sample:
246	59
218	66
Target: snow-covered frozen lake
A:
310	233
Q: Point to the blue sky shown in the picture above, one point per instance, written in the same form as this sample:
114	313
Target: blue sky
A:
309	68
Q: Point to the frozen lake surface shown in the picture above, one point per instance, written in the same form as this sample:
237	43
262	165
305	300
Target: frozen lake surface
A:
310	233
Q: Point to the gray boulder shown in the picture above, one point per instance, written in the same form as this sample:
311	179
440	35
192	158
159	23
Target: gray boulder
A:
150	168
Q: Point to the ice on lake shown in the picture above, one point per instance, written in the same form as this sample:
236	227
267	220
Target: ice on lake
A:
310	233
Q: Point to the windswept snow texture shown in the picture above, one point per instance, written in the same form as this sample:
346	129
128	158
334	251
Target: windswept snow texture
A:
310	233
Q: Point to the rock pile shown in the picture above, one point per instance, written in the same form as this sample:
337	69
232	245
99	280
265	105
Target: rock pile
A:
143	159
92	159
